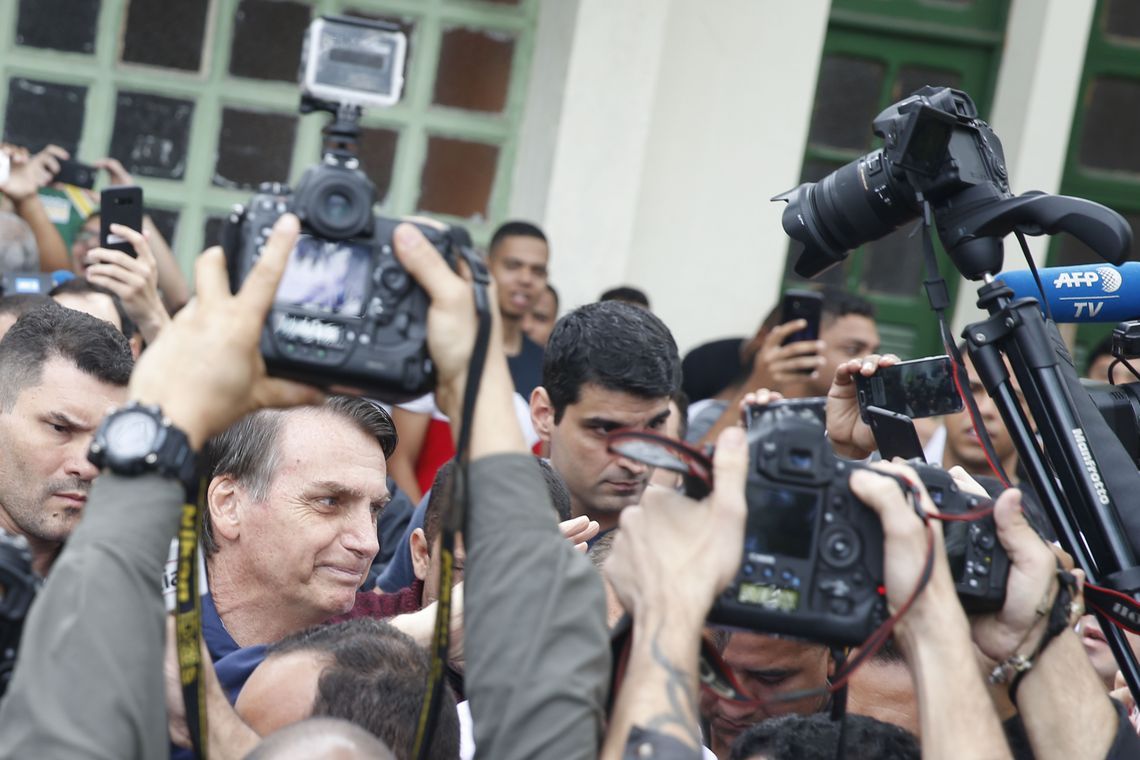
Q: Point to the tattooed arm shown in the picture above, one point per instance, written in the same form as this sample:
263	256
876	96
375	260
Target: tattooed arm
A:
667	566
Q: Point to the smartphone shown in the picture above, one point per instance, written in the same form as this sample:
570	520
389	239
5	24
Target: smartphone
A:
917	388
76	173
120	205
802	304
894	434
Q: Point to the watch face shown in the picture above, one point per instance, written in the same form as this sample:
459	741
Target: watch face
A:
132	436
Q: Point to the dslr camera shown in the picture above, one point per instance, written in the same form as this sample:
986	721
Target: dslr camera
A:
935	145
813	553
347	316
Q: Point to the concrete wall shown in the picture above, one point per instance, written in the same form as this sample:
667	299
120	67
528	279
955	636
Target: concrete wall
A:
657	130
679	119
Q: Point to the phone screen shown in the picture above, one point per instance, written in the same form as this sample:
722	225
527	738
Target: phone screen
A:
918	388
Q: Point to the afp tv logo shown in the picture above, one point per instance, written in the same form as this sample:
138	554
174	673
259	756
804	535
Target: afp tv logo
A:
1108	278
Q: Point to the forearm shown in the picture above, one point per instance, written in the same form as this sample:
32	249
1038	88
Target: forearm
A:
96	630
172	283
151	321
53	252
537	649
495	430
1063	705
230	738
659	690
951	693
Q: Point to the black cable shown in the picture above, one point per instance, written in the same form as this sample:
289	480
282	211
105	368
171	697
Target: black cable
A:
1036	275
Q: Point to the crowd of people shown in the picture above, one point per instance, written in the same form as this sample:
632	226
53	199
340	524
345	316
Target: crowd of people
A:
582	578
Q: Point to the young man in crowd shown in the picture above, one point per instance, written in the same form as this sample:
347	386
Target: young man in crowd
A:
60	372
608	365
539	321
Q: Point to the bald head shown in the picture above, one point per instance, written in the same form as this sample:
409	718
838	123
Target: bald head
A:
321	739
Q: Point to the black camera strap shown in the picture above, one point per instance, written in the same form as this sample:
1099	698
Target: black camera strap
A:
188	620
455	514
939	296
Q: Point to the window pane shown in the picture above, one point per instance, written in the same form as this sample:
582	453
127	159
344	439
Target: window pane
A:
474	69
39	24
167	222
164	33
42	113
457	177
267	39
1071	251
893	265
254	147
1122	19
910	78
377	156
1110	138
151	134
846	100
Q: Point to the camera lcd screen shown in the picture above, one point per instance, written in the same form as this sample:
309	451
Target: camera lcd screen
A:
780	522
326	276
772	597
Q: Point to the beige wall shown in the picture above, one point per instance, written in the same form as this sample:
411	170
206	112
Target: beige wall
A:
679	119
657	130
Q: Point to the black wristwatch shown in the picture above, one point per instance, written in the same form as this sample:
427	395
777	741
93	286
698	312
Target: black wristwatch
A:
137	439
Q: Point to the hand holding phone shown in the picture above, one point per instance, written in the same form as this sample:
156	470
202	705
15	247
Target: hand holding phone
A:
120	205
806	305
917	388
75	173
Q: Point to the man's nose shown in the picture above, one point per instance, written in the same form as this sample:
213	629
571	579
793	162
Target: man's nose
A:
360	535
77	464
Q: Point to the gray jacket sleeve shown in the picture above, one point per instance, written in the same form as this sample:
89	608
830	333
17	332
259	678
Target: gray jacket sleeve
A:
538	659
89	681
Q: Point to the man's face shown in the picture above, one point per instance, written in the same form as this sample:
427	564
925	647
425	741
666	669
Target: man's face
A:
85	240
281	691
425	565
518	265
601	484
539	321
313	538
848	337
98	305
962	442
1096	646
764	666
44	472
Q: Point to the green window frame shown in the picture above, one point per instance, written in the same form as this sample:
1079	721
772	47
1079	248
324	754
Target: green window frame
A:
957	43
1113	59
196	197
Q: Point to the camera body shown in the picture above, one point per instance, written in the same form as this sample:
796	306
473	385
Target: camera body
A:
347	315
933	144
813	553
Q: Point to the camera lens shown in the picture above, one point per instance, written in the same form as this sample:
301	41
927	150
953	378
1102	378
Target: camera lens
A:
338	207
855	204
335	203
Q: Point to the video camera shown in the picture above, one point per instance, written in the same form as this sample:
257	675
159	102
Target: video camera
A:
347	316
812	562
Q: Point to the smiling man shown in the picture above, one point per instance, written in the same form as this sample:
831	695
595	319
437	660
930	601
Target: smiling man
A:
290	529
61	371
608	365
518	258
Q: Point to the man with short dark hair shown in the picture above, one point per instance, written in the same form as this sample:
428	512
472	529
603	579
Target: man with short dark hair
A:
60	373
518	257
817	737
626	294
290	527
608	365
364	671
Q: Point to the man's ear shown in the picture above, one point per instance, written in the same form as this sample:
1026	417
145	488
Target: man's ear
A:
421	557
542	413
223	500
